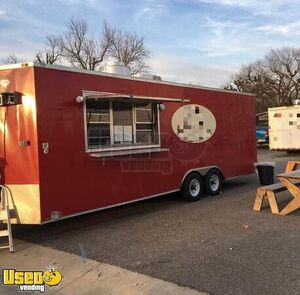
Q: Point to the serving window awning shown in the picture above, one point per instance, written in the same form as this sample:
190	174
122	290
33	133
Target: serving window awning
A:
119	96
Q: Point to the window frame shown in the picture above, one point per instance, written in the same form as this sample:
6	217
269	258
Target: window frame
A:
134	146
101	123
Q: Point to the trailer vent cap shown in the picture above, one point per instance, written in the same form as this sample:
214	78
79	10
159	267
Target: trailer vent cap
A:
117	68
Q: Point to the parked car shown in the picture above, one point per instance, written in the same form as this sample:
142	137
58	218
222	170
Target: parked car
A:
262	132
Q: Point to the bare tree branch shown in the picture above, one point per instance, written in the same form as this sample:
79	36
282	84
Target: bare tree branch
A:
82	49
53	53
130	49
275	79
10	59
73	43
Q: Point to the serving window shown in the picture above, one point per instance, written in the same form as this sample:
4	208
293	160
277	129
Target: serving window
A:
120	125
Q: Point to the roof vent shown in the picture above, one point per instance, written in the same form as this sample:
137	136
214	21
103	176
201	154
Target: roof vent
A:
117	68
148	76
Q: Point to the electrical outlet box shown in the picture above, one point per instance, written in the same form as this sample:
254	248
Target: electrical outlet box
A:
10	98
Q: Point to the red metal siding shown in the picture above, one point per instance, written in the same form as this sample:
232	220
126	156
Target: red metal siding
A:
71	182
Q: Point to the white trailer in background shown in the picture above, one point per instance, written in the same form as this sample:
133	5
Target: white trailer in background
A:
284	128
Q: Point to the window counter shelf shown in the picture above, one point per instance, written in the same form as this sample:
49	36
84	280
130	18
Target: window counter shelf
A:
104	154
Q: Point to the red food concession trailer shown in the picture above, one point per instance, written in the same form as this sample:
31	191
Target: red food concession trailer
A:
75	141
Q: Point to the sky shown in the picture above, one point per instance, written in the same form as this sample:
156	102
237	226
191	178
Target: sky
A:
200	42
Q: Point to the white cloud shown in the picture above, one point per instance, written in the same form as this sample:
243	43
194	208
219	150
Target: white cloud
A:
288	29
226	32
24	50
176	69
150	10
256	6
242	42
227	39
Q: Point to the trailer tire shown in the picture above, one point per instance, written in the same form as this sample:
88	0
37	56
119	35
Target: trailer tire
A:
213	182
192	187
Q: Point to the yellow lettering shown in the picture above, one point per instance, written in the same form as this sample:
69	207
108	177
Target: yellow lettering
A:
28	278
19	278
13	277
38	278
8	276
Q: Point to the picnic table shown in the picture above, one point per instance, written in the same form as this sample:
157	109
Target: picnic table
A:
288	179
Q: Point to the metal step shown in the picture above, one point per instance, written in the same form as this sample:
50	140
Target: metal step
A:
3	215
4	247
4	233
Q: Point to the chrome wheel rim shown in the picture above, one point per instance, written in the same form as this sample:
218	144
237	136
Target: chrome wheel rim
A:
214	183
194	187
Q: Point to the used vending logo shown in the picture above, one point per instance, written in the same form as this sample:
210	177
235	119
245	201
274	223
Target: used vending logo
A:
31	280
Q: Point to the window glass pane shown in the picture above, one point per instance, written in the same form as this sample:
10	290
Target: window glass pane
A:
97	111
144	105
122	113
144	126
96	143
146	123
123	122
98	130
98	135
144	116
98	127
144	112
144	137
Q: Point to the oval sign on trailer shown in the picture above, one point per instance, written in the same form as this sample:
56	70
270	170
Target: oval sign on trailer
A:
193	123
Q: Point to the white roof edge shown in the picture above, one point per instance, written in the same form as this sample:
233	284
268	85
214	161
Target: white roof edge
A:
17	66
98	73
284	107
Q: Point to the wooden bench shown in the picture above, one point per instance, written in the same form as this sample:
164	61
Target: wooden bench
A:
291	166
269	191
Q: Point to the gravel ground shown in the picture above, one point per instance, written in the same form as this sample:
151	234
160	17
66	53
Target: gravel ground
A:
217	245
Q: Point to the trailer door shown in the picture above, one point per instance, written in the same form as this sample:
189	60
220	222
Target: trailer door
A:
280	130
296	128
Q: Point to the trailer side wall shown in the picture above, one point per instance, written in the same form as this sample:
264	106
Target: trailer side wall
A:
72	182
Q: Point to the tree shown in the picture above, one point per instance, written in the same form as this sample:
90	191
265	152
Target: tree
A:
53	53
130	49
10	59
275	79
82	49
